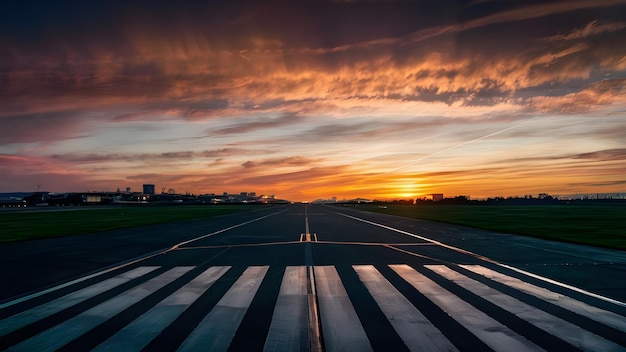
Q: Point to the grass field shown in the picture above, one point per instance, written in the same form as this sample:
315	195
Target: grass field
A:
21	225
597	225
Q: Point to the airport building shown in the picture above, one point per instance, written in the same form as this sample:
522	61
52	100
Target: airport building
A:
437	197
148	189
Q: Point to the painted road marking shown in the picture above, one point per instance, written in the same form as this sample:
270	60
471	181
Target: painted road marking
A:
217	329
574	335
597	314
289	328
417	332
341	327
68	330
490	331
24	318
290	324
142	330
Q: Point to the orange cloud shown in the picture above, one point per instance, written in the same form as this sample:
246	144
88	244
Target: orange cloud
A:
162	73
597	95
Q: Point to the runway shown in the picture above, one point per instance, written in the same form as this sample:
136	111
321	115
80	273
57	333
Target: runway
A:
309	277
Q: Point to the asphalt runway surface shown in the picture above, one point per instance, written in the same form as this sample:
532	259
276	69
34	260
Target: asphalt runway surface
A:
310	277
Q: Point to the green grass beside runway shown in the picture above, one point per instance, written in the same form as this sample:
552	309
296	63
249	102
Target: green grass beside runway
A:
23	225
597	225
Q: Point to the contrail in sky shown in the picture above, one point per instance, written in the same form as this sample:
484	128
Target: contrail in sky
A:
457	146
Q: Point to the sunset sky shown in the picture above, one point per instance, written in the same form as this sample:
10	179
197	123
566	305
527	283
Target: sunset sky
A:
314	99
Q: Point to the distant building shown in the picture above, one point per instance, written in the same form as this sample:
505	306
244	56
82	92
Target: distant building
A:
437	197
148	189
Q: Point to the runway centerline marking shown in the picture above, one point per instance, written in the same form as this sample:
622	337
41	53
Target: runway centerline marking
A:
306	221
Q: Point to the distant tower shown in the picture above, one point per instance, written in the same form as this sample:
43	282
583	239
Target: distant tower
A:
148	188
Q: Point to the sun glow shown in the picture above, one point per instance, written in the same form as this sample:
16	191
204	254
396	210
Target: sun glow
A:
407	191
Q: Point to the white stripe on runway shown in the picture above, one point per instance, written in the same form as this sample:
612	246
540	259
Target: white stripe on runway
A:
144	329
290	324
490	331
572	334
417	332
603	316
68	330
341	327
217	329
24	318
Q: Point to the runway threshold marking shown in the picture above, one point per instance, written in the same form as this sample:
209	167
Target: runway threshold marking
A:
492	261
136	335
415	330
342	328
63	333
573	334
216	331
290	324
597	314
24	318
489	330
